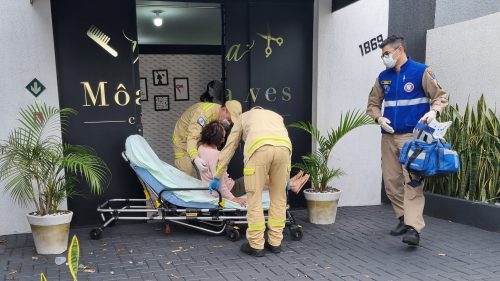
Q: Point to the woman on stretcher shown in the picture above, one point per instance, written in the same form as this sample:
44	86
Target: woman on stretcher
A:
212	136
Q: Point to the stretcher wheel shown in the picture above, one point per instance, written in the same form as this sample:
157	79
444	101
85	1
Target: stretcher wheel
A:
95	234
296	233
233	234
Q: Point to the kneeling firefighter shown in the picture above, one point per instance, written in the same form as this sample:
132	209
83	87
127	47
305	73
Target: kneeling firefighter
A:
187	132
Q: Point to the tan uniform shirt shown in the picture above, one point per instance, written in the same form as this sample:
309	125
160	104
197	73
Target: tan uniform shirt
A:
438	97
257	127
187	132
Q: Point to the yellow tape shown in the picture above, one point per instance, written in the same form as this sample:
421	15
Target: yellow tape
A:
179	155
248	171
193	152
219	170
146	193
256	228
269	139
276	222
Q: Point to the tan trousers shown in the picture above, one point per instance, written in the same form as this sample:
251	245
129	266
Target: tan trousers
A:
184	163
405	200
275	162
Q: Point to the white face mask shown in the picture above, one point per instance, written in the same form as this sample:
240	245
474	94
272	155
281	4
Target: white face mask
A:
389	61
225	123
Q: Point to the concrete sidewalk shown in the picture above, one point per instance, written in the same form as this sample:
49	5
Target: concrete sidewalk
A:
356	247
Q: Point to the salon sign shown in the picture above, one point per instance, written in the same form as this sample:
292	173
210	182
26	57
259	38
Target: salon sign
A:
101	96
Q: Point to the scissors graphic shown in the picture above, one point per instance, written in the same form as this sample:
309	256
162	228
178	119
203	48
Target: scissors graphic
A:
268	37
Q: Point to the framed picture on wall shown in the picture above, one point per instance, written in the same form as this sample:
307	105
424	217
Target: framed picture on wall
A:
144	89
160	77
162	103
181	89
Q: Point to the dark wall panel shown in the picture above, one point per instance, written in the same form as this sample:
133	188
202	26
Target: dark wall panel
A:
281	79
411	19
101	124
339	4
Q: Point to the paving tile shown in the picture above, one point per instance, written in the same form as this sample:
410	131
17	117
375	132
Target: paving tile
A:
356	247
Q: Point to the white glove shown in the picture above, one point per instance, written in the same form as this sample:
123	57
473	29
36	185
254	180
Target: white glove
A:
200	165
429	116
384	124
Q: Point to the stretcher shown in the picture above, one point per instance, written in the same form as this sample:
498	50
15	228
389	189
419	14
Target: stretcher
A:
173	197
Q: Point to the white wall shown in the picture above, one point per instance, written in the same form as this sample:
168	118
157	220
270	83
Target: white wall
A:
465	59
454	11
27	52
343	79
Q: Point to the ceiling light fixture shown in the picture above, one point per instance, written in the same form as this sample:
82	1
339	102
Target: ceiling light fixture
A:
158	21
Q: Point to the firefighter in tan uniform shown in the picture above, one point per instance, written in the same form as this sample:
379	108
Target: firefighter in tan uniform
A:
410	93
187	132
267	152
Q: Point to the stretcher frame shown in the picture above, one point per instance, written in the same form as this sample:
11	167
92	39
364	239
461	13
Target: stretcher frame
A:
215	221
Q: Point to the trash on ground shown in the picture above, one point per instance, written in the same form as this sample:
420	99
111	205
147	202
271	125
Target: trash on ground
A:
60	260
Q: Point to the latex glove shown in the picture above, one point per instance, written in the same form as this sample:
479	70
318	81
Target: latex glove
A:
200	165
429	117
384	124
288	187
214	184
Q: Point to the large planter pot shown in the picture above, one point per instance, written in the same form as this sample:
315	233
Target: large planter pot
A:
322	207
481	215
50	232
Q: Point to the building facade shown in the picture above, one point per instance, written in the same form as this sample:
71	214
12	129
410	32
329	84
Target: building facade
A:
327	65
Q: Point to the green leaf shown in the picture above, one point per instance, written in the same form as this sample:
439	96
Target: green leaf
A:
34	162
74	257
316	163
475	135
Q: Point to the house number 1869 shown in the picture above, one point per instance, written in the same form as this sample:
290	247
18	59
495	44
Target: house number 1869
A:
370	45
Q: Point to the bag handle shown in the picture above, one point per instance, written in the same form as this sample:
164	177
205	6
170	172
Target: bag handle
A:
414	155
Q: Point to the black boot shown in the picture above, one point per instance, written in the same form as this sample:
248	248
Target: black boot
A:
411	237
272	249
247	249
400	228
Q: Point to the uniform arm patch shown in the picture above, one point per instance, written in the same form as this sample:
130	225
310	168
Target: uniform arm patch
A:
202	121
431	73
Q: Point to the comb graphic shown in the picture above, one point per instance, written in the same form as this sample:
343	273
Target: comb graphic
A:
101	39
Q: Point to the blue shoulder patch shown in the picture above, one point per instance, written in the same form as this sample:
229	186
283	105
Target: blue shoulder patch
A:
431	73
201	121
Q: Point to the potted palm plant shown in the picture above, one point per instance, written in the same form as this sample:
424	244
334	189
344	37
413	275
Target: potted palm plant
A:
37	169
322	199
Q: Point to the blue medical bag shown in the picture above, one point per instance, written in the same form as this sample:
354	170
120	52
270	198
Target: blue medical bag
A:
429	159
